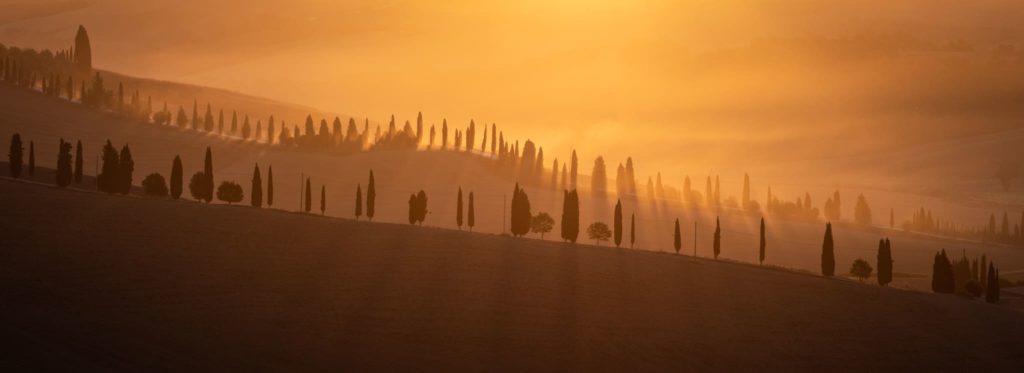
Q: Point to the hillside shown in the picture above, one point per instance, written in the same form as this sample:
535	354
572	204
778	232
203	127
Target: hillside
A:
129	283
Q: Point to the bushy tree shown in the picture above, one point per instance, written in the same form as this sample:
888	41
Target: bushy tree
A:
197	186
14	156
860	269
176	178
417	207
542	223
229	192
598	232
828	259
154	185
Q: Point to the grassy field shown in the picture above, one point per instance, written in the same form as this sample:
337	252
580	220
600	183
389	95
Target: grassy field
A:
130	283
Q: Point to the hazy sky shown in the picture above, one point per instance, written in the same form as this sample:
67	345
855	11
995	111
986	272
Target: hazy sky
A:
683	86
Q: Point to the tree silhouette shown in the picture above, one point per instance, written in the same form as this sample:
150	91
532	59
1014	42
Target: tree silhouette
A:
83	51
229	192
632	230
31	158
176	174
745	203
256	194
444	134
884	262
246	129
617	223
677	238
323	200
220	121
458	210
126	166
942	274
195	115
992	282
860	269
78	162
471	214
861	212
309	197
197	186
763	243
107	180
154	185
521	215
417	207
359	201
208	172
828	259
419	127
14	156
234	122
64	173
573	171
599	178
598	232
542	223
371	197
717	245
270	185
570	216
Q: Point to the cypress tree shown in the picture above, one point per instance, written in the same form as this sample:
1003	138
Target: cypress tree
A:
126	166
220	122
234	122
632	230
256	196
31	158
107	179
309	197
208	173
677	241
828	260
176	178
323	200
371	197
942	274
617	223
471	215
458	210
763	244
78	162
359	201
717	238
520	212
570	216
884	262
992	285
64	174
14	157
269	185
195	115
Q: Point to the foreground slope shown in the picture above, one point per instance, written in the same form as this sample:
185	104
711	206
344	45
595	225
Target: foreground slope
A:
96	281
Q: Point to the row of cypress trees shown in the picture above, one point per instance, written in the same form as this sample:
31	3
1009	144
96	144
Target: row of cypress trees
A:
470	212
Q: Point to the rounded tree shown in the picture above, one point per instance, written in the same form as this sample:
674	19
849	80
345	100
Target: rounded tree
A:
154	185
229	192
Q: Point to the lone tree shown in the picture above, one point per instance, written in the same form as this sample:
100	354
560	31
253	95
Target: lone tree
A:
176	178
860	269
942	274
992	284
126	166
632	230
78	162
371	197
458	210
828	259
323	200
717	243
570	216
154	185
197	186
542	223
598	232
677	241
208	172
107	180
256	196
229	192
14	157
309	195
64	173
270	185
521	215
417	207
617	222
884	262
359	201
471	214
763	243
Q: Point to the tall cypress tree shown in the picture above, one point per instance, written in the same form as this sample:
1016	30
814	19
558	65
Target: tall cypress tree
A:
256	196
992	288
359	201
14	157
618	223
717	238
458	210
884	264
371	197
632	230
309	197
64	174
270	185
31	158
763	243
78	162
107	179
677	241
126	166
471	215
828	259
323	200
208	173
176	178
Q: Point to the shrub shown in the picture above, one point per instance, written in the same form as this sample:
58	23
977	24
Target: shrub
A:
197	186
229	192
861	269
154	185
